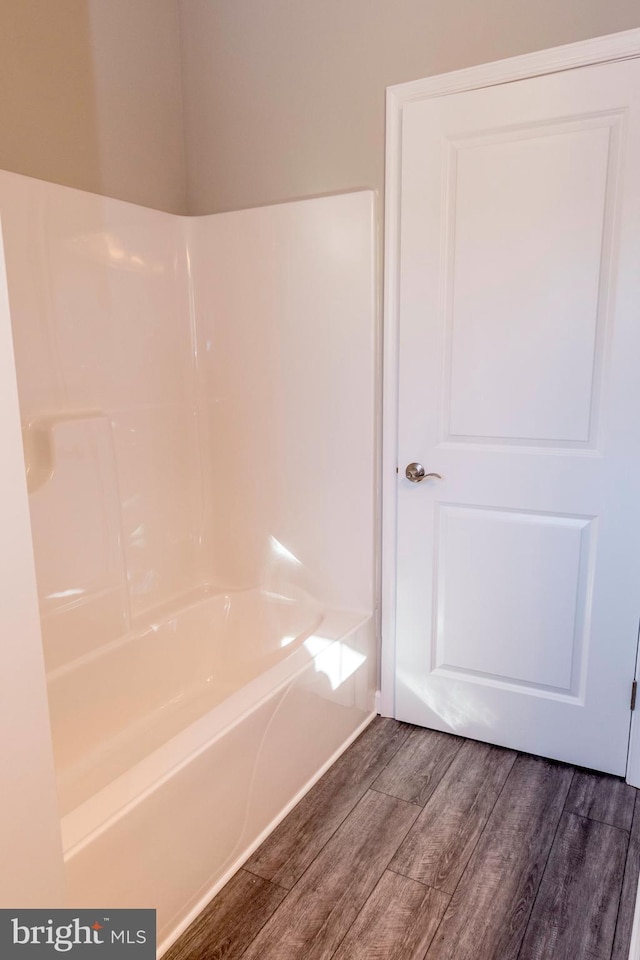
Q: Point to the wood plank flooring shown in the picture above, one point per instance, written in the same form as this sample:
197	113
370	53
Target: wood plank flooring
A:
417	845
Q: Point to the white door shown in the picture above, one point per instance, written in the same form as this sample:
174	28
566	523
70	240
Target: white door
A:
519	382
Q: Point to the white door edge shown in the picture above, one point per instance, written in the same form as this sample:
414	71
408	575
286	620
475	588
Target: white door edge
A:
633	757
633	760
634	948
618	46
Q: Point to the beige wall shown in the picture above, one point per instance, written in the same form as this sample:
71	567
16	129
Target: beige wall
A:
282	98
91	96
285	98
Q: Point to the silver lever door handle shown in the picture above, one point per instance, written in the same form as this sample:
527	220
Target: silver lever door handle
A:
415	473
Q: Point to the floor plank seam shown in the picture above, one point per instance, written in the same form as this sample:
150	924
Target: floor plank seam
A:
624	872
418	730
489	815
347	815
384	793
274	883
289	891
409	828
347	932
462	875
386	868
482	832
605	823
257	934
422	806
544	869
635	894
451	895
407	728
267	919
427	886
437	928
445	772
624	876
493	806
366	786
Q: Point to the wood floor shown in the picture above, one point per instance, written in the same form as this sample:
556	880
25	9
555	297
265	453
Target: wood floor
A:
418	845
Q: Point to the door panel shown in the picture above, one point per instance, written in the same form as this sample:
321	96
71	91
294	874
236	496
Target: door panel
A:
537	566
524	273
519	296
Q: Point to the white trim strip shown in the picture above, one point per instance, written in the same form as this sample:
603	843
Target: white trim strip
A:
615	46
390	405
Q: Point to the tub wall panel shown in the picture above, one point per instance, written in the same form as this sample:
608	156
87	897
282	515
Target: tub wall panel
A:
156	453
75	515
22	205
31	874
284	309
100	312
365	641
77	629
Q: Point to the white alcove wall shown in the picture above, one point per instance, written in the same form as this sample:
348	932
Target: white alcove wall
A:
32	872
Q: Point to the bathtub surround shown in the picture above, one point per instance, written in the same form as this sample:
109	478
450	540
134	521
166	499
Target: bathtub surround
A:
197	406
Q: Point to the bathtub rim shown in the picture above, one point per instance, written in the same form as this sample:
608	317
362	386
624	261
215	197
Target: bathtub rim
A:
94	745
161	615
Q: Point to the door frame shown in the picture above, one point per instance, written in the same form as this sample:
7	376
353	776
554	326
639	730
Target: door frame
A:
617	46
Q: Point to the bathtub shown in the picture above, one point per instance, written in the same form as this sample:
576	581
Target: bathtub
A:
181	745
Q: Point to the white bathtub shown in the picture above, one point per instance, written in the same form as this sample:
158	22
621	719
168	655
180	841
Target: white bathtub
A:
180	746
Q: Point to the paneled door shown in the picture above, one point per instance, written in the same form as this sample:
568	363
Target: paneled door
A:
518	573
